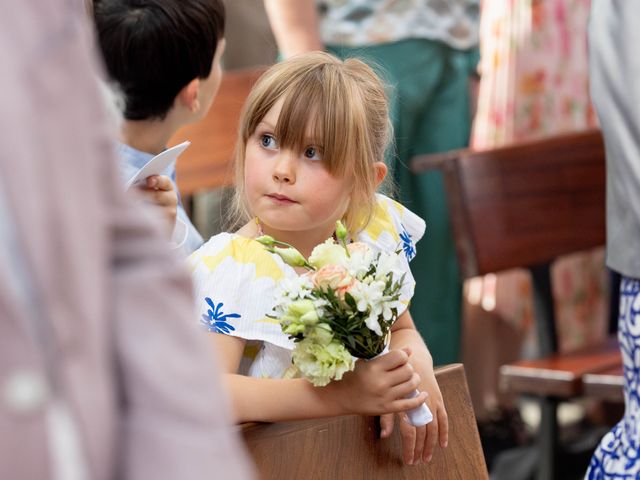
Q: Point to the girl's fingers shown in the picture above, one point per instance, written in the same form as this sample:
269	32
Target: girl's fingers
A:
443	427
421	436
386	425
409	437
399	376
392	360
401	390
404	404
432	438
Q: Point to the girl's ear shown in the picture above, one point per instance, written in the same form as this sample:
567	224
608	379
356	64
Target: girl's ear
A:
188	96
381	172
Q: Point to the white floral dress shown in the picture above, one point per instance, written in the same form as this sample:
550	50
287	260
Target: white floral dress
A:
236	280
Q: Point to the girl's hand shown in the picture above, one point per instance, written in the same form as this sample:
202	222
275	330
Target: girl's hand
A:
418	443
159	191
378	386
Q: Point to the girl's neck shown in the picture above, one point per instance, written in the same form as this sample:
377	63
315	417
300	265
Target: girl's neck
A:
303	241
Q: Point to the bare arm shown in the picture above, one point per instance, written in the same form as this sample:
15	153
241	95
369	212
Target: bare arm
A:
420	442
373	388
295	25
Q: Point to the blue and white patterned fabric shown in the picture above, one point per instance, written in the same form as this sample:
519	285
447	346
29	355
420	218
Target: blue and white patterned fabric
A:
131	161
618	455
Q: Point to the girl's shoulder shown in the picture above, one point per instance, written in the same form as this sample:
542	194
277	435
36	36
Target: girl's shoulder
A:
393	226
232	255
235	281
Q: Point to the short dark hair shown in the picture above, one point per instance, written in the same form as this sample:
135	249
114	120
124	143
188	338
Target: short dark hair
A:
153	48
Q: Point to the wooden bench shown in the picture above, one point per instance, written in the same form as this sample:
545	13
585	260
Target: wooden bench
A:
523	206
349	447
207	163
606	385
564	375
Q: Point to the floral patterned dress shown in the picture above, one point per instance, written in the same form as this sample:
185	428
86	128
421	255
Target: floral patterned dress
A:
535	84
534	71
236	280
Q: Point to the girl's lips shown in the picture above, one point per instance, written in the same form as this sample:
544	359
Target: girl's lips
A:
280	198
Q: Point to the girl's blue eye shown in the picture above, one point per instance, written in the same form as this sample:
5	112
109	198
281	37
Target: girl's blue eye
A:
267	141
312	153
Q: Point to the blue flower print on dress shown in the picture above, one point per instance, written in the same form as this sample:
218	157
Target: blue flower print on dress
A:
407	244
618	455
216	320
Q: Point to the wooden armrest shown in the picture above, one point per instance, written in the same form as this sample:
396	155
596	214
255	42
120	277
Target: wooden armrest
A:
350	447
559	375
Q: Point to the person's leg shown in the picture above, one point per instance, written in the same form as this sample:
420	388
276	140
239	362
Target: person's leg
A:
429	100
414	71
618	455
411	71
444	125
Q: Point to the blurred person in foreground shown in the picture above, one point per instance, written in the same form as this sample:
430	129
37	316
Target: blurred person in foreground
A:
102	373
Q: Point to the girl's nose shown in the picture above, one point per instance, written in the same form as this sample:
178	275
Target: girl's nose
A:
284	169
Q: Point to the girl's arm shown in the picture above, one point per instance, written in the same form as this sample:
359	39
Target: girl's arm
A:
373	388
419	442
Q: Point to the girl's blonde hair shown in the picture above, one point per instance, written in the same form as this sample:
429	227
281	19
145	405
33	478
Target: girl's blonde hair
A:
343	103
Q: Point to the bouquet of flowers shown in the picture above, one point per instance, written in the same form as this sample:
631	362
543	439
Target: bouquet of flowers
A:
341	310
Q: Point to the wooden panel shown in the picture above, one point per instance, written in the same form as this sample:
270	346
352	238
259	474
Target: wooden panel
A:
606	385
560	375
207	163
527	204
350	447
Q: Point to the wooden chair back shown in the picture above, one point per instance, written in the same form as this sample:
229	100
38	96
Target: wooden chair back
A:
350	447
526	204
207	163
523	206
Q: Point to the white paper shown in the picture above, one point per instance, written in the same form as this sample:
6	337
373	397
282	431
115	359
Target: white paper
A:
158	164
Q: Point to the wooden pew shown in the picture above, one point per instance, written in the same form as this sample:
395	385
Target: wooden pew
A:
564	375
606	385
349	447
207	163
523	206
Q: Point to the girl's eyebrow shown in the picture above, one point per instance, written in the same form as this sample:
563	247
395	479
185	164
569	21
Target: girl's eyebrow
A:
265	124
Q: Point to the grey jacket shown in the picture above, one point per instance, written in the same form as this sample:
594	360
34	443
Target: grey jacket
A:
614	36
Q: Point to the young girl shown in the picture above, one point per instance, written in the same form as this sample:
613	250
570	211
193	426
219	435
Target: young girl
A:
312	139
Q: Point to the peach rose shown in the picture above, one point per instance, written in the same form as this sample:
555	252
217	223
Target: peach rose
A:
358	247
335	277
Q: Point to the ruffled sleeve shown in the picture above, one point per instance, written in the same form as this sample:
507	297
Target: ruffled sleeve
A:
234	280
392	228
